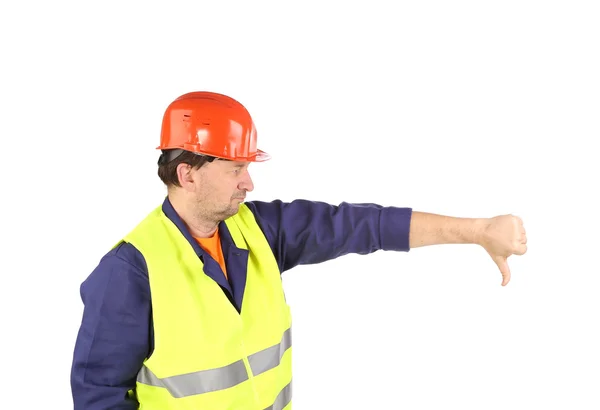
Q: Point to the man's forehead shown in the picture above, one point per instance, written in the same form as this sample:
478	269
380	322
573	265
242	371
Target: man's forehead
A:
238	164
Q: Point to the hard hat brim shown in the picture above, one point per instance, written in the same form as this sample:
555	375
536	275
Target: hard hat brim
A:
262	156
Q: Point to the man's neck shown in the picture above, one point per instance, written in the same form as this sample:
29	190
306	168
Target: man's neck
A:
199	227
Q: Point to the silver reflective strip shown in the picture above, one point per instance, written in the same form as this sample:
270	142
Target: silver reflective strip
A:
270	358
283	398
220	378
198	382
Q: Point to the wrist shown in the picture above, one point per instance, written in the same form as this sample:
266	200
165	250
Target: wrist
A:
480	226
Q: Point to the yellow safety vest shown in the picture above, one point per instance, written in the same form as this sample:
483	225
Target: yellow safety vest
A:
207	356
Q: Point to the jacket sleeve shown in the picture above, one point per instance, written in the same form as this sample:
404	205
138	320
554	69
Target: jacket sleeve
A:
114	335
305	232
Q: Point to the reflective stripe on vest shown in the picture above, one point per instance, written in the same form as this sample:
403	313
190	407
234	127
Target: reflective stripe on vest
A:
221	378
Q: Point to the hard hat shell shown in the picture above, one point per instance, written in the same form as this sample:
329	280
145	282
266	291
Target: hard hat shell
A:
212	124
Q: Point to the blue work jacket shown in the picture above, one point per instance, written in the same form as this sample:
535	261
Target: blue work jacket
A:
116	335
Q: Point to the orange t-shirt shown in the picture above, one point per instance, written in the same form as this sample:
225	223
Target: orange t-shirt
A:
212	245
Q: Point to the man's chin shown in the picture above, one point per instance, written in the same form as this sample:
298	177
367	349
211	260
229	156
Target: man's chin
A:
233	209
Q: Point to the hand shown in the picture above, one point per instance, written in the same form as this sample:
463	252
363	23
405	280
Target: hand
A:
502	237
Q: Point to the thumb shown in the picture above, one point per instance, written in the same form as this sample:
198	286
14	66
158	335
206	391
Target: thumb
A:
504	269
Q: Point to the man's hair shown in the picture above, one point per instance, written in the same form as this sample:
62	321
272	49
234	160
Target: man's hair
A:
170	159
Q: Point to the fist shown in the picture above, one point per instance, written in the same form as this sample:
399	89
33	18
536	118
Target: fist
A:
502	237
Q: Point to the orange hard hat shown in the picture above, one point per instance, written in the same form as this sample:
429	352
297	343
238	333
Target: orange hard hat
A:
211	124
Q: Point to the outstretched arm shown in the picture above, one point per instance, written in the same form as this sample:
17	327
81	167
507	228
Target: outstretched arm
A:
304	232
501	236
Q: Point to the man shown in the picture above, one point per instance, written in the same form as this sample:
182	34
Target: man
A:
187	311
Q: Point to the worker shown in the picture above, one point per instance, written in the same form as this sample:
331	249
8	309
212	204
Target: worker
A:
187	310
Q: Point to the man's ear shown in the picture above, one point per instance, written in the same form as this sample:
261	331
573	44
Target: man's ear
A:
185	176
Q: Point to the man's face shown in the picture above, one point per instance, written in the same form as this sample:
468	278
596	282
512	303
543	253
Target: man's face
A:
221	187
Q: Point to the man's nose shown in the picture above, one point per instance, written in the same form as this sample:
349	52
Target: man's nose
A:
246	184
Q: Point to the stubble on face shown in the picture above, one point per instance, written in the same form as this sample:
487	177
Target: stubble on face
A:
212	201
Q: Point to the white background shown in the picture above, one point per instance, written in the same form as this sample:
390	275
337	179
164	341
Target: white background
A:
459	108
